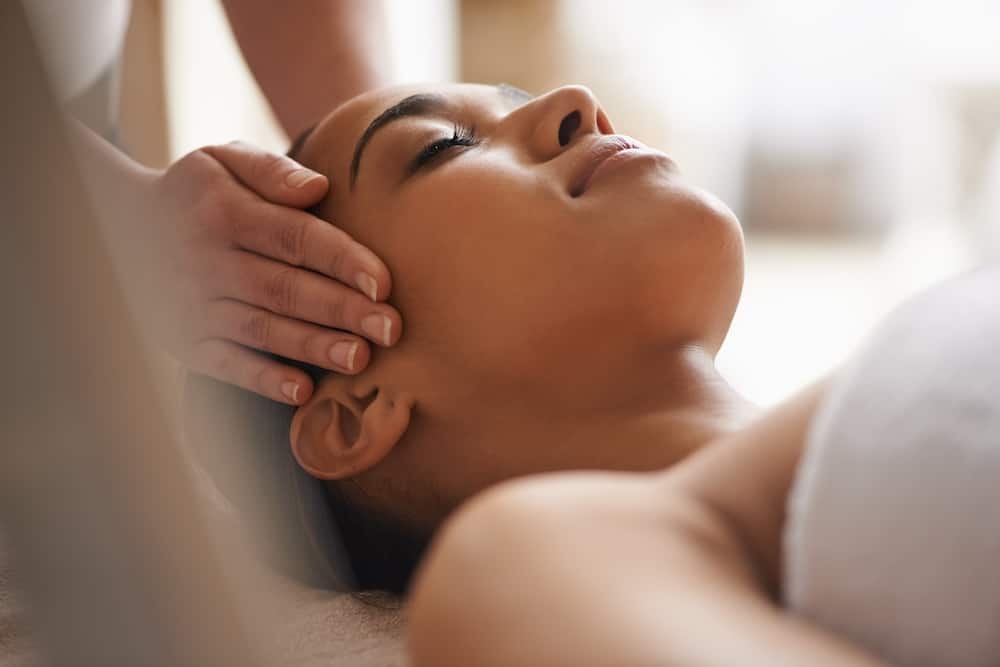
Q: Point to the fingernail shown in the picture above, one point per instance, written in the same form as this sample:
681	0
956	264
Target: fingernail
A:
367	285
342	353
290	390
378	328
300	177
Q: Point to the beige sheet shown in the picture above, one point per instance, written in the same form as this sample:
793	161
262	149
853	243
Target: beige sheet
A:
15	646
306	627
294	624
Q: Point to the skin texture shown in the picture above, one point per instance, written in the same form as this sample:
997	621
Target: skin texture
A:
545	331
222	264
596	351
673	568
292	46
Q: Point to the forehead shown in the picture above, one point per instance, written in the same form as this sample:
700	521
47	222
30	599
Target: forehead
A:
331	145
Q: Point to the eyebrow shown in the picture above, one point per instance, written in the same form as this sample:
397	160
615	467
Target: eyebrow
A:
422	104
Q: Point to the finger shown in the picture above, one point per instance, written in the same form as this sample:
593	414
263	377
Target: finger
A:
231	363
304	295
300	239
277	178
263	330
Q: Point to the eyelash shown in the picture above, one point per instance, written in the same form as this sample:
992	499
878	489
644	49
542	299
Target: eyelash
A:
462	136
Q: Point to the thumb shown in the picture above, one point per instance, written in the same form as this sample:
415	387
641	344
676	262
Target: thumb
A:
277	178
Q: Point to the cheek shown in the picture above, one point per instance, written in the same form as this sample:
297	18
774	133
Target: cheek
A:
501	278
502	282
692	264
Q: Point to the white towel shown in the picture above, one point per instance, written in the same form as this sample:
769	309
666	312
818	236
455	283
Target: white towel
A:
893	530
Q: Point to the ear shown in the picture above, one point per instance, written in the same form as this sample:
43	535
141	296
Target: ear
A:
337	434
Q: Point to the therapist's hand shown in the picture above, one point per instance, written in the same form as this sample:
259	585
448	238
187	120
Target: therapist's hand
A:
251	272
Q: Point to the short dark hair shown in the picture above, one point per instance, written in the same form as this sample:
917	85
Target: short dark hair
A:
382	549
295	150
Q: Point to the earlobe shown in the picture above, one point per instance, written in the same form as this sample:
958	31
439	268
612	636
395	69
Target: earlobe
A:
336	435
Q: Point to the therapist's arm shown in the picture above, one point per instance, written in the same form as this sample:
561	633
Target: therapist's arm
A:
680	568
310	55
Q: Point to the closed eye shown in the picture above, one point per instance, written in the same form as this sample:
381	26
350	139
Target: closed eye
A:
462	136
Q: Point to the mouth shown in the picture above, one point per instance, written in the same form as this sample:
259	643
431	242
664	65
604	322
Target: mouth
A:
604	154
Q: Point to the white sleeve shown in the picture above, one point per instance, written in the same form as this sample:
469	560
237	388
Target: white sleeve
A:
79	39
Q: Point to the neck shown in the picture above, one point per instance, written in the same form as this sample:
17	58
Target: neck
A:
655	418
674	412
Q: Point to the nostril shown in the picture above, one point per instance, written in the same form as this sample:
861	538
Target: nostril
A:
568	127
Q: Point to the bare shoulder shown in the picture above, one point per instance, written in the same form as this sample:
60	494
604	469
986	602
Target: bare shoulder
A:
605	557
522	567
742	482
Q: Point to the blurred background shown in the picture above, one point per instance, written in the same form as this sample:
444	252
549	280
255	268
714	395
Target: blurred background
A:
858	141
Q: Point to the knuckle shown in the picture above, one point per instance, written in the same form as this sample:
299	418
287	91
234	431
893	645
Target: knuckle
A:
313	347
256	330
337	260
196	158
215	212
258	380
186	162
205	167
280	291
208	197
290	239
336	311
202	279
187	177
267	165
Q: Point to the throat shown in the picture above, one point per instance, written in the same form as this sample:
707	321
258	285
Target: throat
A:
669	415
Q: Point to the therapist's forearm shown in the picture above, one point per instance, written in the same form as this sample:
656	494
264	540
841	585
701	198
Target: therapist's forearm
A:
114	181
310	55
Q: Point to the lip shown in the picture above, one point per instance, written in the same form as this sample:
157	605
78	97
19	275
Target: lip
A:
602	155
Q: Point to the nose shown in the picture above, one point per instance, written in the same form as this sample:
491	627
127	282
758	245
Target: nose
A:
553	122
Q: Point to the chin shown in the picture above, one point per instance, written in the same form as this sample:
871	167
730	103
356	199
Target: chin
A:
690	268
718	209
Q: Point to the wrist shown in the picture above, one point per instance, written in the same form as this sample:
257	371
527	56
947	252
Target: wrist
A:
115	182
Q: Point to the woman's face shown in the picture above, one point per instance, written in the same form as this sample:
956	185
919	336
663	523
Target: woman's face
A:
542	263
